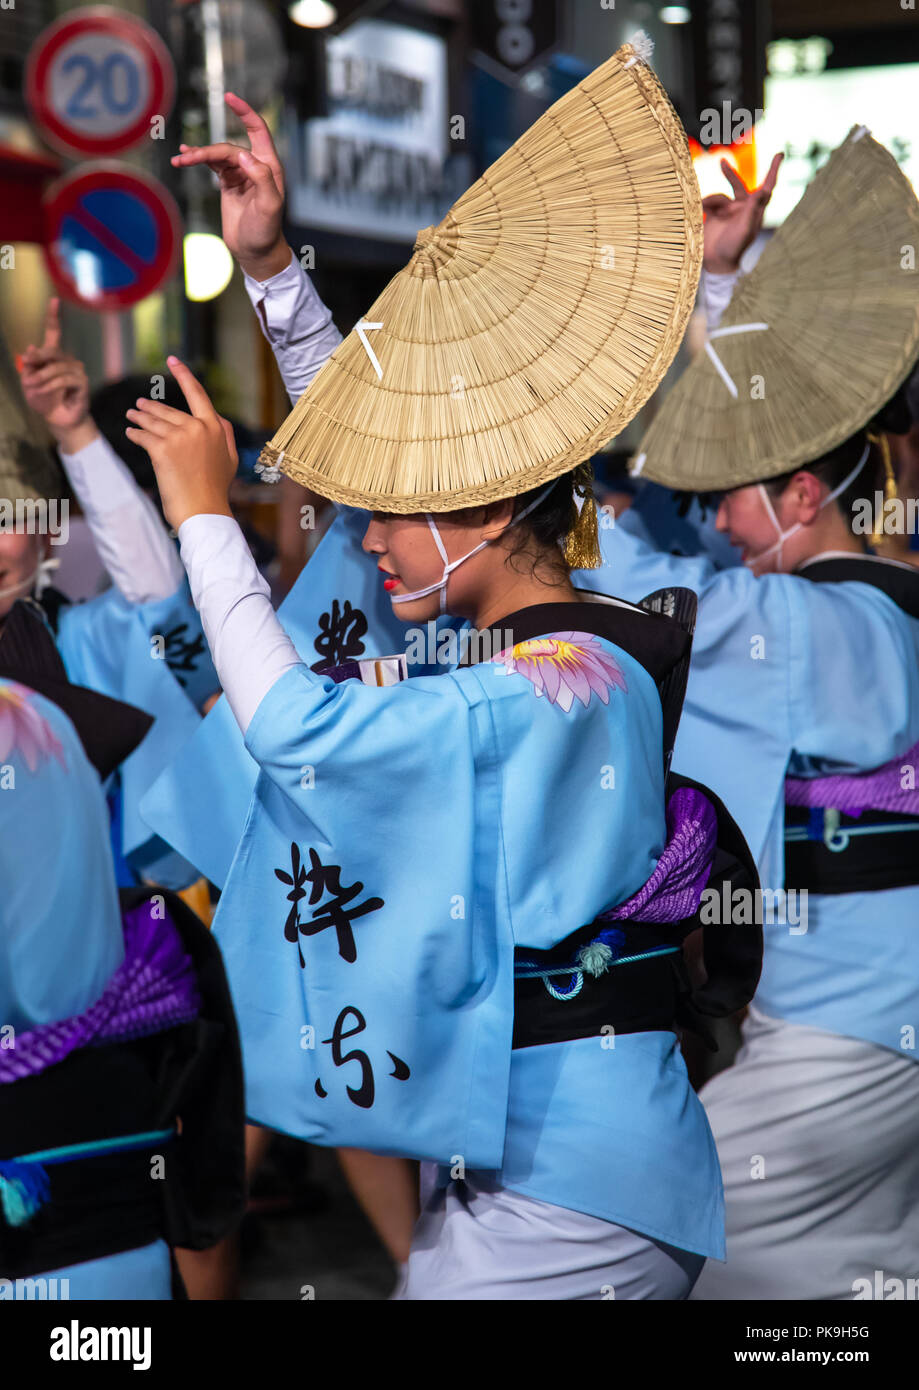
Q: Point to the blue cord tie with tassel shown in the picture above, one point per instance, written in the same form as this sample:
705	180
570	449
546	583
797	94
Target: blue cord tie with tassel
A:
25	1186
593	959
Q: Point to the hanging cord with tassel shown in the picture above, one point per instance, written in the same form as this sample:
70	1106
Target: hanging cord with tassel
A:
890	487
582	543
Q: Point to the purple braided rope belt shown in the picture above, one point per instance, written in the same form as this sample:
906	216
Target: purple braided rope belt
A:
674	890
154	988
880	790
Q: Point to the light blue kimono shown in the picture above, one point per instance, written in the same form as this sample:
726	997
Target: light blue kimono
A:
401	842
61	937
785	670
337	609
107	644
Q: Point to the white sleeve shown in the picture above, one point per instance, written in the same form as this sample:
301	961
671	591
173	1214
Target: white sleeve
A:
249	647
296	323
128	532
715	295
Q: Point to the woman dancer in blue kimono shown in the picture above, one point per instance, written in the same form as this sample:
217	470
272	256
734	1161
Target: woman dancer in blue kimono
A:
140	641
114	1018
802	708
452	923
407	883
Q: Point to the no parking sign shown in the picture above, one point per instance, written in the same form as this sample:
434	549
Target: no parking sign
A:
95	80
111	235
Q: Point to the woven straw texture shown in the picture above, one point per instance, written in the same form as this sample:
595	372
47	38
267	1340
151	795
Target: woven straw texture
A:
28	469
843	332
529	326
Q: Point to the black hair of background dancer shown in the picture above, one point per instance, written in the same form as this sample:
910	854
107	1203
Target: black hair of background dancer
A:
832	467
108	407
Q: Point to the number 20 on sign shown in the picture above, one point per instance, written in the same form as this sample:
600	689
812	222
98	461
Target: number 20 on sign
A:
96	79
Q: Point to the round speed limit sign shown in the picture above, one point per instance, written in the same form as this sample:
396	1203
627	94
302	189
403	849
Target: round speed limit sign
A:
96	79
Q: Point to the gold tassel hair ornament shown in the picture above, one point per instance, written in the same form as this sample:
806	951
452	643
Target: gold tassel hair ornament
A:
890	486
582	543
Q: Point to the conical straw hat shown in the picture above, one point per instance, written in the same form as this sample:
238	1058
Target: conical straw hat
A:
28	470
827	327
529	326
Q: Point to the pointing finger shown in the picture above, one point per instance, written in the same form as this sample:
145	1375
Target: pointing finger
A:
52	325
257	130
769	182
198	400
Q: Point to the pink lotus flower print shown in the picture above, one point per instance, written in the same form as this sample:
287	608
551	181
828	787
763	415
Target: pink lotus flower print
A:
24	730
565	665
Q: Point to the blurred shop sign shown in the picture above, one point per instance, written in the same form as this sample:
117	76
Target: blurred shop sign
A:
112	235
729	58
375	164
514	34
95	81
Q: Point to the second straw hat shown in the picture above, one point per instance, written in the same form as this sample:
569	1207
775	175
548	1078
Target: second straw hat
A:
529	327
814	341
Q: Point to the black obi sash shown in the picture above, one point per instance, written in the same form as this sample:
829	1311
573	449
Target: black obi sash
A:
655	993
189	1077
831	852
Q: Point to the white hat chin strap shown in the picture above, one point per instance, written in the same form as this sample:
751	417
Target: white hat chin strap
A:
783	536
451	565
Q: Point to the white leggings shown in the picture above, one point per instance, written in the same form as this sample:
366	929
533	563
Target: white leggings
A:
476	1240
818	1137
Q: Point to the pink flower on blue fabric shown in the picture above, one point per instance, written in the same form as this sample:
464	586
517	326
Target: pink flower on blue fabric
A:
24	730
565	665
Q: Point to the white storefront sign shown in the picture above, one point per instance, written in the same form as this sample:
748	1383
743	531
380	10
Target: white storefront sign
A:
375	165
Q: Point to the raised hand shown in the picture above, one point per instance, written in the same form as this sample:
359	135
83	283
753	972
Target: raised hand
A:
732	223
251	193
193	455
56	386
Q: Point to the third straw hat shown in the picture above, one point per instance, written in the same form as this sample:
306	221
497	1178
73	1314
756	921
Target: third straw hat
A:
814	341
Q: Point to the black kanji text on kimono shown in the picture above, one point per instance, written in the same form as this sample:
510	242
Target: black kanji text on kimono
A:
335	912
340	633
180	653
364	1094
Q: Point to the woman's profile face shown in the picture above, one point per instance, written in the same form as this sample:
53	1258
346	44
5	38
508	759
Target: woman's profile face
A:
19	557
408	559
